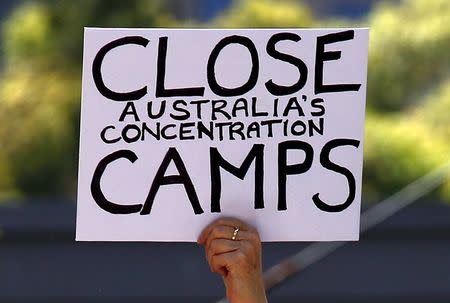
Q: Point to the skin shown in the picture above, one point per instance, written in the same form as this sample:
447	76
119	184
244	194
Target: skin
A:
237	261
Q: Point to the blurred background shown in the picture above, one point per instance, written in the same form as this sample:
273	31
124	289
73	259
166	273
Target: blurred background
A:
404	259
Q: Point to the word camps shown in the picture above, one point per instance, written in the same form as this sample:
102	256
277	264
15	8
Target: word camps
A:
256	154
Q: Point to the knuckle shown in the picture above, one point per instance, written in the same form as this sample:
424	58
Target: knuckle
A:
251	251
222	221
217	231
230	221
214	243
221	229
254	236
255	232
247	247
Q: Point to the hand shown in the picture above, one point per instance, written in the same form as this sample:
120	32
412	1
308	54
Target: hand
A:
237	261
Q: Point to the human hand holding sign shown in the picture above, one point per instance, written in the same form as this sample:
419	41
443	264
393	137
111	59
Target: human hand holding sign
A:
233	250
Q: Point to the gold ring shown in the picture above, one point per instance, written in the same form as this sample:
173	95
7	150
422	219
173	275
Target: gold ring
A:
236	230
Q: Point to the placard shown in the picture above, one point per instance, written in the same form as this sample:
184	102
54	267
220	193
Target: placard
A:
181	126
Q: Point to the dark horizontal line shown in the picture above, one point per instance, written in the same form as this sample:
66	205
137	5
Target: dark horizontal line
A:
397	234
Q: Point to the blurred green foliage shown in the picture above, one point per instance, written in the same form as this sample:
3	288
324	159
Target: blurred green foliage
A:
41	83
409	52
399	150
50	32
265	13
435	110
408	121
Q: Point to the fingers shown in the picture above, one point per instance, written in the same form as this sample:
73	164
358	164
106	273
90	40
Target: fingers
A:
219	264
227	232
241	259
223	253
238	261
220	246
217	246
224	228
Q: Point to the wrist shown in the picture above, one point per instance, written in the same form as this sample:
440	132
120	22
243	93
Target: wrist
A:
245	293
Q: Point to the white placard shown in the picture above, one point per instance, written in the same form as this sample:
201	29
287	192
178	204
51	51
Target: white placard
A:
181	126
